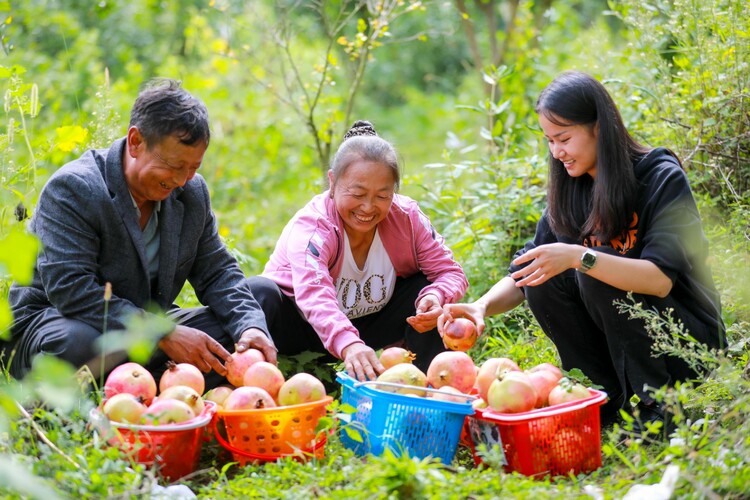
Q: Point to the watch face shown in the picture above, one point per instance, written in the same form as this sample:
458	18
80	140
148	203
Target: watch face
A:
588	259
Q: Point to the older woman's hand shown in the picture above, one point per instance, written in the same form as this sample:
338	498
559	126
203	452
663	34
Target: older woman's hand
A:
361	362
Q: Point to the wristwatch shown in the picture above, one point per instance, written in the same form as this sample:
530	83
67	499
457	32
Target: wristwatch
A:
588	260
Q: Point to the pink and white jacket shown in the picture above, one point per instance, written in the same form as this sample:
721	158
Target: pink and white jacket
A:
309	254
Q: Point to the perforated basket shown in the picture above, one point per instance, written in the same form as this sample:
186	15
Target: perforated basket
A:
556	440
384	420
265	435
172	449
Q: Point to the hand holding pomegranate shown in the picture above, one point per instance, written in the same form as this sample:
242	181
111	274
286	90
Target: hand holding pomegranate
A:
460	334
257	339
190	345
473	311
361	362
427	314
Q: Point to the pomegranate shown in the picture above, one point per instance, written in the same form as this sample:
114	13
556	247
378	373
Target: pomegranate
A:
479	404
186	395
489	370
182	374
454	368
124	407
448	393
131	378
167	411
392	356
549	367
543	381
460	334
239	363
406	374
266	376
566	391
514	393
249	398
218	395
301	388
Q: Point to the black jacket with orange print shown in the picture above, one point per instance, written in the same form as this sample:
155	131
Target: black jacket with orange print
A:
665	229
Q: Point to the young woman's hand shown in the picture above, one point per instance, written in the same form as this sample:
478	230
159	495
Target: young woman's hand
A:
545	262
361	362
473	311
428	311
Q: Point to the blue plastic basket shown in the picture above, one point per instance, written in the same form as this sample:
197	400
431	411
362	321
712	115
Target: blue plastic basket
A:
416	425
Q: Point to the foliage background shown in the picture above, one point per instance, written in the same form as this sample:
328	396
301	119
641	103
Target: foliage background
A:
452	85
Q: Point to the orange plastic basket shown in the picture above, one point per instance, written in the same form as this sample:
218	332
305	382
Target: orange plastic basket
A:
556	440
265	435
172	449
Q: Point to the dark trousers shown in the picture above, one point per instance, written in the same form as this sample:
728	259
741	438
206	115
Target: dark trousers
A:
78	343
577	313
292	334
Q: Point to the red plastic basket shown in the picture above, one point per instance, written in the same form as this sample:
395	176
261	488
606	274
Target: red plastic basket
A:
556	440
265	435
172	449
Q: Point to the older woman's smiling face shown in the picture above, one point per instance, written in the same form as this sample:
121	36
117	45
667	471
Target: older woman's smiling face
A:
363	194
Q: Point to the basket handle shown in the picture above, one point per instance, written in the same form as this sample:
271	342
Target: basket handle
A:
416	387
233	449
551	410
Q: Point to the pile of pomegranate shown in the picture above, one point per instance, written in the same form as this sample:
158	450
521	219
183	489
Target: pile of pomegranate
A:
130	395
130	391
499	383
258	384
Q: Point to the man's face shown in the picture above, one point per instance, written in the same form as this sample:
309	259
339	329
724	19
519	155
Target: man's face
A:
160	168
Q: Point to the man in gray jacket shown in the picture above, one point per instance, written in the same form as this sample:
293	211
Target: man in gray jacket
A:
138	216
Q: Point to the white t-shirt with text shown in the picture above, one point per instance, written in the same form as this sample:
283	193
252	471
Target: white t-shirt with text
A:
365	291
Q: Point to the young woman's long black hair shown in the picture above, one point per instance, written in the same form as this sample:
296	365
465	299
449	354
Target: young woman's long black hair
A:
579	206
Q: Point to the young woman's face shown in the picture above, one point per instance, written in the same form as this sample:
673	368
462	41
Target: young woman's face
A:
573	145
363	195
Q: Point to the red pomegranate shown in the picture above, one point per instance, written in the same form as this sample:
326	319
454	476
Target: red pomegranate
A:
543	381
448	393
124	408
249	398
549	367
131	378
167	411
266	376
454	368
218	395
460	334
182	374
566	391
404	374
489	370
301	388
392	356
513	393
239	363
186	395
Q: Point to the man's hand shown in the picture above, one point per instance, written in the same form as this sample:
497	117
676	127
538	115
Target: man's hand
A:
428	311
361	362
257	339
190	345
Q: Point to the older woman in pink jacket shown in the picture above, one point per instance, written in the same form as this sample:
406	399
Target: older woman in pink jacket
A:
359	267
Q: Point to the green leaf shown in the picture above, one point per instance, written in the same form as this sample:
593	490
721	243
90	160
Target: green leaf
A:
18	252
353	434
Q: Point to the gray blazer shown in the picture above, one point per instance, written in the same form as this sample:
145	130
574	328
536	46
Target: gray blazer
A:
88	228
